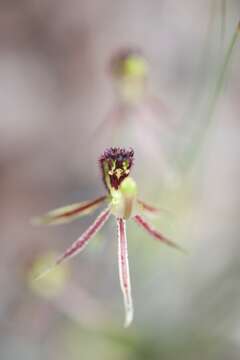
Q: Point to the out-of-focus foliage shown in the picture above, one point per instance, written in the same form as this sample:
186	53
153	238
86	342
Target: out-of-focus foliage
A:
52	283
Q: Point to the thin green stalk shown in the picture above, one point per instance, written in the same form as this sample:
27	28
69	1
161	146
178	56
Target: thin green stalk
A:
223	23
198	139
220	80
196	98
204	57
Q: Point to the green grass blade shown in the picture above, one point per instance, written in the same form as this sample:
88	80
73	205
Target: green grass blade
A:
195	147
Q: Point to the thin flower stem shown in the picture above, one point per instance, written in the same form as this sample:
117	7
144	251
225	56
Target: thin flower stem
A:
196	98
221	78
198	140
223	23
196	101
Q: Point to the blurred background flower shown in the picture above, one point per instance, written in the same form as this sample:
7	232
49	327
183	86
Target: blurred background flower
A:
54	92
52	283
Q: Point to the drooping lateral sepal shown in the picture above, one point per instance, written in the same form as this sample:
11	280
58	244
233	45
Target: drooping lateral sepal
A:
124	275
80	243
155	233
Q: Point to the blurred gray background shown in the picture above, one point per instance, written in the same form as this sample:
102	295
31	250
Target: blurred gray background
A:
55	89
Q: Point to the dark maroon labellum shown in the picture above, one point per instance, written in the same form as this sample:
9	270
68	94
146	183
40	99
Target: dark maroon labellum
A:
115	165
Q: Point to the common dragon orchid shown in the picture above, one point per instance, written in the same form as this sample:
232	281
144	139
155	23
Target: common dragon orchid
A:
123	203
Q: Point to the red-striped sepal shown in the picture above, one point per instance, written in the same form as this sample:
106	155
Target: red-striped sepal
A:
155	233
124	271
69	213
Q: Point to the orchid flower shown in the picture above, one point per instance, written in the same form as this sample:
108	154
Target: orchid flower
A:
123	203
129	69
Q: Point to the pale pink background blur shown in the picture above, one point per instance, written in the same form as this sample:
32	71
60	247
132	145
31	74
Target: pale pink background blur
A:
55	88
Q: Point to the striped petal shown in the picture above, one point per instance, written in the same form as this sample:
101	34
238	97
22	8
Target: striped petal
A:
156	234
124	271
69	213
146	207
80	243
149	209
